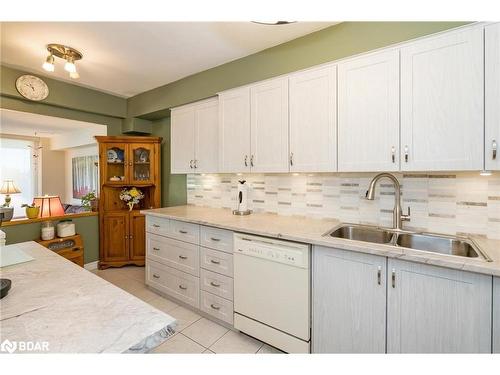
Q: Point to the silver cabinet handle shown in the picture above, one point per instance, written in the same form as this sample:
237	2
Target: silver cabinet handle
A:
195	163
379	275
182	287
214	284
246	158
393	277
215	307
214	261
406	153
156	225
251	160
156	248
183	257
182	231
156	276
291	159
215	239
494	147
191	164
393	154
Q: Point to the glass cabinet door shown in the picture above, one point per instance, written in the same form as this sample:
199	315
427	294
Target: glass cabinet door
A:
142	163
116	159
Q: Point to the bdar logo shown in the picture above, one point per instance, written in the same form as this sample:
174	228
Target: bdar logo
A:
8	346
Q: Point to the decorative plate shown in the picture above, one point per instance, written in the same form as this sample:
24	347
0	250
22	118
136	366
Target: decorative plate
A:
32	88
112	156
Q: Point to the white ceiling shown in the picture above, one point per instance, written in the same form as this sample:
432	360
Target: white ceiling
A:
26	124
127	58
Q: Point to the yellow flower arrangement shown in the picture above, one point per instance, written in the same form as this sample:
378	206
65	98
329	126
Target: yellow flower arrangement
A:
131	196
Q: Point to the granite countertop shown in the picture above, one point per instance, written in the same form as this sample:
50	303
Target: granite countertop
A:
55	301
312	231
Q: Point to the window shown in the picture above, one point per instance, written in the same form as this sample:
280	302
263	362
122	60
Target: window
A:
18	163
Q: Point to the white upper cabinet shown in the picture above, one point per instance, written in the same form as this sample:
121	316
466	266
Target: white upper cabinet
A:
492	97
442	112
313	124
182	134
368	105
269	126
194	138
234	130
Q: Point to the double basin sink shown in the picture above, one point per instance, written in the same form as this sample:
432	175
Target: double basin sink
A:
442	244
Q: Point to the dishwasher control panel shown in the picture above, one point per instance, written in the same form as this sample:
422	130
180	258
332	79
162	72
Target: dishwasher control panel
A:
291	253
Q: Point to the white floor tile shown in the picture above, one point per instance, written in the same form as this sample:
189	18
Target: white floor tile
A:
179	344
266	349
144	293
208	351
205	332
163	304
184	317
235	342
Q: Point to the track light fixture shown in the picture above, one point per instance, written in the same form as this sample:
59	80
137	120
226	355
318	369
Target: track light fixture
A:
63	52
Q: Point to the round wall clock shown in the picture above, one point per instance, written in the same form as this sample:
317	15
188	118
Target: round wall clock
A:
32	88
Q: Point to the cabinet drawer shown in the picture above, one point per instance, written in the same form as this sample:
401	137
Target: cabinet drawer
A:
177	254
218	239
186	232
217	261
216	284
173	282
157	225
218	307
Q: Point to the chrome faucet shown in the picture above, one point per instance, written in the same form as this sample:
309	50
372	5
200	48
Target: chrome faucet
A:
397	216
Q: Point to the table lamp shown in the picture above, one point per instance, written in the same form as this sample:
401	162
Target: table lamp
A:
50	205
8	188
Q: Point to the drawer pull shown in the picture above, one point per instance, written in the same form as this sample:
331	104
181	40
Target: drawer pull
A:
215	239
156	248
183	257
214	284
183	232
215	307
156	276
214	261
156	225
182	287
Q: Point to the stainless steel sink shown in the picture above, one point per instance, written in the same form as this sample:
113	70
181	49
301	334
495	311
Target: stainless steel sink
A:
442	244
362	233
438	244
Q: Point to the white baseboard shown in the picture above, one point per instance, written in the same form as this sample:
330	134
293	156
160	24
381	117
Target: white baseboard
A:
91	266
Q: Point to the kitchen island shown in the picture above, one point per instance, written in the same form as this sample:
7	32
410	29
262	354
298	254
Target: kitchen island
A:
60	307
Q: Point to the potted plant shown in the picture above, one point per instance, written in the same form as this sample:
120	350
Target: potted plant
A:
32	211
89	201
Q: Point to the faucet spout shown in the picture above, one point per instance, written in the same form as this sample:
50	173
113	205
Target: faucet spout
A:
397	216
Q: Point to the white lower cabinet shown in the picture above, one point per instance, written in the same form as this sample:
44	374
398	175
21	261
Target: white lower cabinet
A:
349	302
216	306
437	310
496	315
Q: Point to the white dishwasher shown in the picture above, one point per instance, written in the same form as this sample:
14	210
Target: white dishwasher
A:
272	291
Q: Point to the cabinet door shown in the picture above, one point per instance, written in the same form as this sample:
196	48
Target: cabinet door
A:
269	126
349	302
496	315
437	310
234	131
115	232
313	121
115	170
369	113
182	133
142	163
492	97
137	236
207	137
442	125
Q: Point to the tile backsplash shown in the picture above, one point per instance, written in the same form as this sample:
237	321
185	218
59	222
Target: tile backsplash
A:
452	203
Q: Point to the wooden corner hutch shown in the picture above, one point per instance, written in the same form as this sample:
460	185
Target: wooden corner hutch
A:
125	162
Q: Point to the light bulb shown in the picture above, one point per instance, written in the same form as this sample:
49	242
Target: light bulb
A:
48	65
74	75
70	65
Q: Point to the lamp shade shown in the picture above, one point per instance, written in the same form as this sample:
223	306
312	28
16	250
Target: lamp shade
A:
8	187
50	205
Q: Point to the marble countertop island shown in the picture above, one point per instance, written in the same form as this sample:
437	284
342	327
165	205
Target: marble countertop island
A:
67	309
313	231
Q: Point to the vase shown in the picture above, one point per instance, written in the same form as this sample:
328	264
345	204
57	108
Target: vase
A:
130	206
32	212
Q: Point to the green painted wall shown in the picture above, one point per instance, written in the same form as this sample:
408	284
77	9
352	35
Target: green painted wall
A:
87	226
335	42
